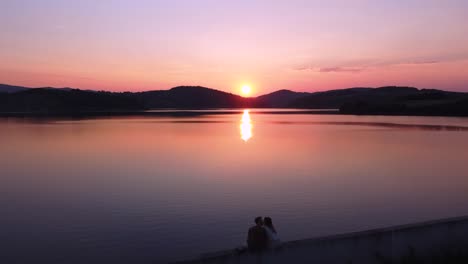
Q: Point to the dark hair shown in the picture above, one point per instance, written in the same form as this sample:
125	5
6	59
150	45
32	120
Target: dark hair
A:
269	223
258	219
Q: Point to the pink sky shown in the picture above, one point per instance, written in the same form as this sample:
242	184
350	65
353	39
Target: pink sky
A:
271	45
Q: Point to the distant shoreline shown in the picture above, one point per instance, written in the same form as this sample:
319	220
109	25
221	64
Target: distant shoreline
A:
207	111
386	101
169	112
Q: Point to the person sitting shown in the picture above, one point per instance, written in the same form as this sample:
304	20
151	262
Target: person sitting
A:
273	240
257	237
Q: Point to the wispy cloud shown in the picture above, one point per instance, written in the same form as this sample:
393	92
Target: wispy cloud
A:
330	69
418	62
340	69
365	65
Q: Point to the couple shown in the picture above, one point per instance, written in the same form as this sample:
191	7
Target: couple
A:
262	236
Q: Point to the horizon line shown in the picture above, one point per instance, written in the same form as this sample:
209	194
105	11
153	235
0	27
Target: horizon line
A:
200	86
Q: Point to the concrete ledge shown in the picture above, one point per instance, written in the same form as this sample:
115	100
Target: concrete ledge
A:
357	247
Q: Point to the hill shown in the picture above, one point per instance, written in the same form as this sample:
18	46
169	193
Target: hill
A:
389	100
58	100
42	100
332	99
191	97
409	101
279	99
5	88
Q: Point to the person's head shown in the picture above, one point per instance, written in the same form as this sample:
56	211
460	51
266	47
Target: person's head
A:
269	223
258	220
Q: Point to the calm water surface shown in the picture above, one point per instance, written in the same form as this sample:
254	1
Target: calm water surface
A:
157	189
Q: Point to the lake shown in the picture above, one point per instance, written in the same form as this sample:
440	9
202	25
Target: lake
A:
152	189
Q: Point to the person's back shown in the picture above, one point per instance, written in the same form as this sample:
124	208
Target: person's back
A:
257	237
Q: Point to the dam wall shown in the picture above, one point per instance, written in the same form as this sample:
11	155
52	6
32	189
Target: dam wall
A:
383	245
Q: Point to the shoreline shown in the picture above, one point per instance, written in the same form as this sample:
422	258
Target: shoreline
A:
171	112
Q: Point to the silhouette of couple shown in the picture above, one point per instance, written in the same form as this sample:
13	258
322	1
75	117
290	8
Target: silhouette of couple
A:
262	235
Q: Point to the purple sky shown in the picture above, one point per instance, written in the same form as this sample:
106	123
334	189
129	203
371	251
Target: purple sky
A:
299	45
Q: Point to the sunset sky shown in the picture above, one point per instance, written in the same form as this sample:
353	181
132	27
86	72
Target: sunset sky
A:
125	45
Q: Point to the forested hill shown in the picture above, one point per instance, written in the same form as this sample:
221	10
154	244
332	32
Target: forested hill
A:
391	100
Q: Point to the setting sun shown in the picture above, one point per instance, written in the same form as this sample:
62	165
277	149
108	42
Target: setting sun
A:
246	90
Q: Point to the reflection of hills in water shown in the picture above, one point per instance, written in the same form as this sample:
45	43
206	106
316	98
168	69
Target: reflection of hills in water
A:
381	124
208	116
370	124
288	115
246	120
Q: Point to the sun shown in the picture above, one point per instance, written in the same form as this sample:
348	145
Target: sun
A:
246	89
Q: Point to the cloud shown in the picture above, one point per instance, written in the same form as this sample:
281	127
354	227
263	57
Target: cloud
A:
418	62
330	69
340	69
357	66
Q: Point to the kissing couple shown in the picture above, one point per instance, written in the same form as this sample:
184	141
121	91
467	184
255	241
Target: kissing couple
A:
262	235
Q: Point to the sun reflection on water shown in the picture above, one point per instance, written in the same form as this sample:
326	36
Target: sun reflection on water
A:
246	126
